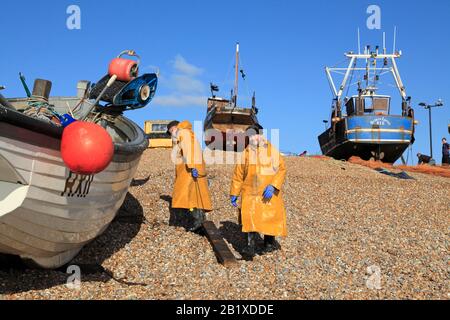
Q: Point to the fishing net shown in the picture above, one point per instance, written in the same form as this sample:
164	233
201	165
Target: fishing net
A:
373	164
424	168
442	171
320	157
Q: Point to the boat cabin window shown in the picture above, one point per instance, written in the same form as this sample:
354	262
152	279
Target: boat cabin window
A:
376	105
367	105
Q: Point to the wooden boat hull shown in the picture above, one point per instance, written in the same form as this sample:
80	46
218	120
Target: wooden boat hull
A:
230	140
383	138
224	127
47	213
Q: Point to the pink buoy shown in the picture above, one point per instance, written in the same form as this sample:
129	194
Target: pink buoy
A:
125	69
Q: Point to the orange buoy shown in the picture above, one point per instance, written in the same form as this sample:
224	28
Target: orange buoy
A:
86	148
125	69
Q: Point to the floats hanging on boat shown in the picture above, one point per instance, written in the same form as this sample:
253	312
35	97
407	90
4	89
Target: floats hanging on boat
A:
367	128
225	121
55	194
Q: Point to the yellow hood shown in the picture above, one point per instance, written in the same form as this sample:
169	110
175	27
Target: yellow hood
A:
185	125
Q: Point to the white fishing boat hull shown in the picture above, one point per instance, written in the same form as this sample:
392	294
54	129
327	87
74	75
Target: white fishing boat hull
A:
47	213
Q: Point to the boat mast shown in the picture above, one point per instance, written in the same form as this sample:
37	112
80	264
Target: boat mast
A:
236	79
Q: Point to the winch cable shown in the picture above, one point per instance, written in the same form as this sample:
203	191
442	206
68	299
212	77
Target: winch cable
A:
230	67
340	64
244	79
379	74
351	78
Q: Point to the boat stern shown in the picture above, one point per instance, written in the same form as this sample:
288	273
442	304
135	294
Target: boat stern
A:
368	137
379	129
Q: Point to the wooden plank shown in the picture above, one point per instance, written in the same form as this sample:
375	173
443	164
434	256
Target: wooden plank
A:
223	253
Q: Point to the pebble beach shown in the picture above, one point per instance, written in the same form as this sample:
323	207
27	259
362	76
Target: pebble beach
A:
353	233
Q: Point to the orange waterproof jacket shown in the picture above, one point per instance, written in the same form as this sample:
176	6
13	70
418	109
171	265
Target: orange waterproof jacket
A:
189	193
261	166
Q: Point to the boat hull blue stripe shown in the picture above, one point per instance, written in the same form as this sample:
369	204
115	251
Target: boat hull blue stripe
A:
379	129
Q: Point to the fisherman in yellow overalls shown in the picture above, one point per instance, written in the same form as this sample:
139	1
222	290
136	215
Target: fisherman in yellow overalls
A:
191	185
258	179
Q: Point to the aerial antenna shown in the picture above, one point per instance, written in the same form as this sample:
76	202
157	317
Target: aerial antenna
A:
359	43
395	38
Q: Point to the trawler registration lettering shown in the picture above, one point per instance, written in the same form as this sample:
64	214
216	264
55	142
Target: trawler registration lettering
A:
77	185
380	121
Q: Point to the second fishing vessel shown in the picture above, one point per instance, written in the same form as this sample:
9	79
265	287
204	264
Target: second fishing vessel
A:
225	121
363	124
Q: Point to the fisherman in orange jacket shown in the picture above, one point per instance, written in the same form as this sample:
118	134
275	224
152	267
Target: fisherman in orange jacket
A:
191	185
258	179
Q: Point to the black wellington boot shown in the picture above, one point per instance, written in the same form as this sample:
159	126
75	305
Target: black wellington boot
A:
199	217
270	244
250	249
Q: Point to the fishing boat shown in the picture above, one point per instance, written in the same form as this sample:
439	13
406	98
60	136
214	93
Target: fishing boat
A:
48	212
225	121
362	124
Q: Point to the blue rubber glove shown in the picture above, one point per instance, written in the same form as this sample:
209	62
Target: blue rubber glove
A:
234	200
268	192
194	173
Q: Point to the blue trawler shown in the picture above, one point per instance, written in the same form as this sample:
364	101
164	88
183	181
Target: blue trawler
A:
363	125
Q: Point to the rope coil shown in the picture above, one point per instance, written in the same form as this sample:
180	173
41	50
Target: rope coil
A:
40	108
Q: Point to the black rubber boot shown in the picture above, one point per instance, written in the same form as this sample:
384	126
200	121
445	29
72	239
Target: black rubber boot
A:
270	244
250	249
199	217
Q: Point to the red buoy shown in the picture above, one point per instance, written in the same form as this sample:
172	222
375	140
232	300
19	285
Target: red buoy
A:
125	69
86	148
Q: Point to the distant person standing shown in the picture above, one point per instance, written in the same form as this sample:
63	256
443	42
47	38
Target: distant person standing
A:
445	152
258	179
424	159
191	186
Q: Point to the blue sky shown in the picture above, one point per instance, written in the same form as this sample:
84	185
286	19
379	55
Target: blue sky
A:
285	46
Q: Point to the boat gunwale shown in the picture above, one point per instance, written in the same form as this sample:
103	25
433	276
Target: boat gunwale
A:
17	119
